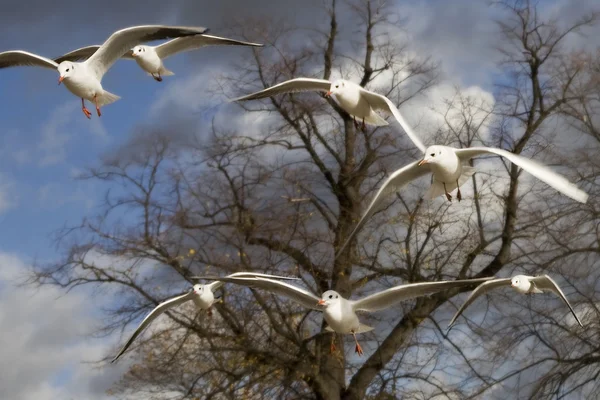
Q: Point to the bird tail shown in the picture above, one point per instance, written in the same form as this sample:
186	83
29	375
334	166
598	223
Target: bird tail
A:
107	98
437	188
166	72
374	119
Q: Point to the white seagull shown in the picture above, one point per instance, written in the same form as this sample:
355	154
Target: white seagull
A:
150	58
447	164
357	101
522	284
340	313
202	296
84	79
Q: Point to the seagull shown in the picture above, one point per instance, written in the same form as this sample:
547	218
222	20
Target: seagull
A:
357	101
150	58
522	284
447	164
340	313
202	296
84	79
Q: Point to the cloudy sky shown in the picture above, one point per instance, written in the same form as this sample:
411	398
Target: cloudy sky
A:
45	141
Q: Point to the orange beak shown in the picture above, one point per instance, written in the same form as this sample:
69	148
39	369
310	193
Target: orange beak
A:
423	162
60	79
321	302
328	94
133	54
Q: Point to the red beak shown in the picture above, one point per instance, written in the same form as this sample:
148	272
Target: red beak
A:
60	79
328	94
423	162
321	302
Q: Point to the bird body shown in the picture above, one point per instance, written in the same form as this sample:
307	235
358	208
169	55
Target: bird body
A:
339	314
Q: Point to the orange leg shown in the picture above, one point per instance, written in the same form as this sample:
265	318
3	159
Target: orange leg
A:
448	195
358	349
86	112
458	195
355	123
209	312
364	127
97	107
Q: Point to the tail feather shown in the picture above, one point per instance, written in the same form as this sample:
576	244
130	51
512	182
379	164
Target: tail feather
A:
437	188
375	119
166	72
107	98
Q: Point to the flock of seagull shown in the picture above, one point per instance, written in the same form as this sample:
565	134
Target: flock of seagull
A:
448	166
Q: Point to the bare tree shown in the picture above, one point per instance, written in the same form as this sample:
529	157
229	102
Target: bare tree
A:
283	194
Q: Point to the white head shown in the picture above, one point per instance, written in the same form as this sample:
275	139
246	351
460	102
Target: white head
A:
199	289
329	298
520	283
435	155
65	69
337	87
140	51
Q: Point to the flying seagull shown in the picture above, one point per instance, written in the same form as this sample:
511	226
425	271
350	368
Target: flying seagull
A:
340	313
447	164
522	284
202	296
84	79
357	101
150	58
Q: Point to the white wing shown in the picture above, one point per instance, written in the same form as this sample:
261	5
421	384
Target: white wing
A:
291	86
544	282
480	290
122	41
379	102
540	171
217	284
391	296
396	181
161	308
16	58
79	54
179	45
295	293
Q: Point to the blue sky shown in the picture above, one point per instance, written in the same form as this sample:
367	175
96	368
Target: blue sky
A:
45	140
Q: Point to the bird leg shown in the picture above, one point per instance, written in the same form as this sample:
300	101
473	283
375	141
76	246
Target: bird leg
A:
448	195
209	312
355	123
358	349
97	107
364	127
157	78
332	345
87	112
458	195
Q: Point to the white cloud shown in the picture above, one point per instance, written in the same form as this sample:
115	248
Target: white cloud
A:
44	352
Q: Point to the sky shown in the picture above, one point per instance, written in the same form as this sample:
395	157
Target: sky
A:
45	141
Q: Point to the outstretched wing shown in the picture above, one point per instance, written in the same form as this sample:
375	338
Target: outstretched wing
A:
396	181
188	43
217	284
291	86
379	102
122	41
80	54
544	282
479	291
299	295
161	308
540	171
391	296
15	58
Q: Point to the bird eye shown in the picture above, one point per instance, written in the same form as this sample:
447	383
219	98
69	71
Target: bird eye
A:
331	296
440	153
67	70
337	297
432	154
337	86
